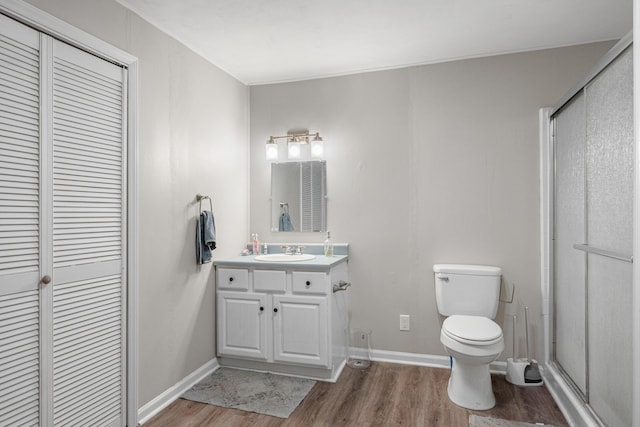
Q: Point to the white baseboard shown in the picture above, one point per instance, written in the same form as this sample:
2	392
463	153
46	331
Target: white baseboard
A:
172	393
418	359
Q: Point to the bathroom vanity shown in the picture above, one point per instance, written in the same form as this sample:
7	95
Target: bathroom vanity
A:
283	316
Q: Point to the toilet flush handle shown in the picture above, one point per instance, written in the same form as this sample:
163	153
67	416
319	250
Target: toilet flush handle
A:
443	278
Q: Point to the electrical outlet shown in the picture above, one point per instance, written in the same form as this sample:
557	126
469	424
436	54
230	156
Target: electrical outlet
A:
405	322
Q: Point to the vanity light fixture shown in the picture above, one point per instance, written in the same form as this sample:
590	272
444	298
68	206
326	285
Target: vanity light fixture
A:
295	141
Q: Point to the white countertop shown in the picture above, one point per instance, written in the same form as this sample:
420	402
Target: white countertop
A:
319	263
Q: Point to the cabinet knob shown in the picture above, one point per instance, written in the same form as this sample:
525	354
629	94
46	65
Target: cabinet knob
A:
308	283
275	310
261	308
46	279
231	279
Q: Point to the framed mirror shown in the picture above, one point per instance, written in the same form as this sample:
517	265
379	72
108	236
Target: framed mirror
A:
299	196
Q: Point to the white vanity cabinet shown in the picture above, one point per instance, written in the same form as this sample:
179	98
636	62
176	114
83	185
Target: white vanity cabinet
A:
284	320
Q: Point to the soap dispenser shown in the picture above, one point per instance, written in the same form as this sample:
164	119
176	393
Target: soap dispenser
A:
328	245
256	244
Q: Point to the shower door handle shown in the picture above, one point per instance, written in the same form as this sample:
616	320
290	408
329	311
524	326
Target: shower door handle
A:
603	252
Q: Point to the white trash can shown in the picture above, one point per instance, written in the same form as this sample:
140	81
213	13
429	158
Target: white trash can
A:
360	349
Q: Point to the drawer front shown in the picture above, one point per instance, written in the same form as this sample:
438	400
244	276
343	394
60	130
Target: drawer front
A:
310	283
269	281
233	278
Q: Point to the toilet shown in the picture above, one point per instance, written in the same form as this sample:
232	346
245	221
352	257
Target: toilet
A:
468	296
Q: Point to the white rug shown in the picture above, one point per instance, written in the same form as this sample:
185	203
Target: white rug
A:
259	392
478	421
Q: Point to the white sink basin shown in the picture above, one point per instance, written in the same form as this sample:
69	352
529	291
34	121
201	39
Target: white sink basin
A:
284	257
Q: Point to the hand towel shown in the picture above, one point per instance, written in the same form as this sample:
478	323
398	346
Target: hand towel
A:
208	229
285	222
205	237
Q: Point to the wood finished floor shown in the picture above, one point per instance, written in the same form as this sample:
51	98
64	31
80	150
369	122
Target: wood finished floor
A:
385	394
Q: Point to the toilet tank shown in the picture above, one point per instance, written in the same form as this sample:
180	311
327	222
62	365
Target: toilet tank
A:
467	289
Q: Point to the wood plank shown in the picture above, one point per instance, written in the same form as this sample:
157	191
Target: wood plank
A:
385	394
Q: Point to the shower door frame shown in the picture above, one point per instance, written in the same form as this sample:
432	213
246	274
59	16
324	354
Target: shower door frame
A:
567	395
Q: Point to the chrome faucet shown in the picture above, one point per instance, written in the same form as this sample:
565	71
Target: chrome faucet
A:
293	249
288	249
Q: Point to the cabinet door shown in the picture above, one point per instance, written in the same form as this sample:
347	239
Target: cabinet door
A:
242	324
300	330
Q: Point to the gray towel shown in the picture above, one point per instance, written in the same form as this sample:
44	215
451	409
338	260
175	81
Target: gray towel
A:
285	222
205	237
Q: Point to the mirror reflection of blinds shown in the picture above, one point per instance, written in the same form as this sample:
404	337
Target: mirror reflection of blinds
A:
312	203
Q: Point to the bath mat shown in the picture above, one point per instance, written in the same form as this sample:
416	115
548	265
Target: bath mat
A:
478	421
264	393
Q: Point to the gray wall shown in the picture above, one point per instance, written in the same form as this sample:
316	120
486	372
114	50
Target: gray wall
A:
428	164
192	139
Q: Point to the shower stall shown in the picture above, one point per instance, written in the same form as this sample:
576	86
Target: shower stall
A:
588	240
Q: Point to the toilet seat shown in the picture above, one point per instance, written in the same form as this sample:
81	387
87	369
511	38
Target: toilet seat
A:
473	330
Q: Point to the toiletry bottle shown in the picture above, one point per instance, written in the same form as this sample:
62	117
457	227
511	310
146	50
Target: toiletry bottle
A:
256	244
328	245
265	249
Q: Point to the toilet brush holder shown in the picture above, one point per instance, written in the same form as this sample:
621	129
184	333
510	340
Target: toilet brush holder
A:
516	372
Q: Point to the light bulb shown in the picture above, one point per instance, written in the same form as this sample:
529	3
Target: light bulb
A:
317	147
294	150
272	151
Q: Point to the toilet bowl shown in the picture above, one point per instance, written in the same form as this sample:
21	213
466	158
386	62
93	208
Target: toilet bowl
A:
473	342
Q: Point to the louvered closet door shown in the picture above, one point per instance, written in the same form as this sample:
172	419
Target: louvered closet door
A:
88	231
312	200
19	225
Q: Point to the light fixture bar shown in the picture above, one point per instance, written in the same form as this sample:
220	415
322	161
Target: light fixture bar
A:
301	137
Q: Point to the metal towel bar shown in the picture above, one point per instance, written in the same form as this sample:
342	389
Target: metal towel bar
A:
200	198
604	252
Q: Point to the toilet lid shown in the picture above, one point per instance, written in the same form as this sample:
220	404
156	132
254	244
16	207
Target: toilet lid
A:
472	328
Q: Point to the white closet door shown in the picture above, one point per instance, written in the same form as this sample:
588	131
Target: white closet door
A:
19	225
88	230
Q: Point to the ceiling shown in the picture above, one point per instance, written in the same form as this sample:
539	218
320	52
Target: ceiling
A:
260	41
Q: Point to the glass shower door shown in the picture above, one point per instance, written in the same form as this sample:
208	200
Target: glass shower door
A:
570	264
609	112
593	242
